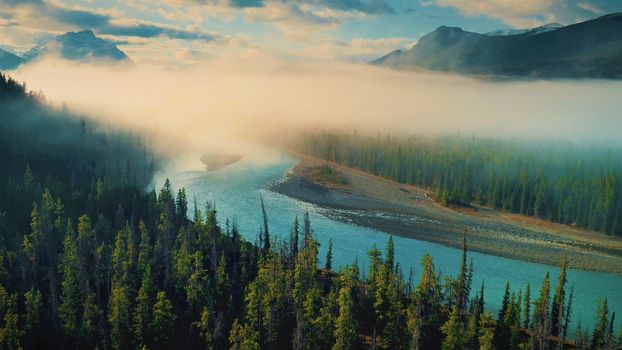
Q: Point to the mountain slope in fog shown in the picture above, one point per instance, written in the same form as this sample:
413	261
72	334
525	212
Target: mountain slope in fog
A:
591	49
9	60
83	46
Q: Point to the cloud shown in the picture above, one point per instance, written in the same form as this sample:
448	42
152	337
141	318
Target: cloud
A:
531	13
149	30
590	7
525	13
247	3
299	21
364	6
234	99
357	50
46	16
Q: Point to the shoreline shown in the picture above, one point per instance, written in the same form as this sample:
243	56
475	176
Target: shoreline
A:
409	211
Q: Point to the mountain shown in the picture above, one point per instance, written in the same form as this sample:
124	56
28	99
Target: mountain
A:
591	49
9	60
532	31
79	46
83	46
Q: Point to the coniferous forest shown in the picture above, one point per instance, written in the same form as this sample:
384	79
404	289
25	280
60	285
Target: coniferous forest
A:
569	183
90	259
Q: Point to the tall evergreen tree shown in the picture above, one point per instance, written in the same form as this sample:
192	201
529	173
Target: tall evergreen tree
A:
527	307
559	300
69	308
329	256
541	317
163	321
119	317
600	337
266	230
453	331
346	331
143	310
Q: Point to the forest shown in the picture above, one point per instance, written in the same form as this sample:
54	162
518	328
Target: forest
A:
571	183
90	257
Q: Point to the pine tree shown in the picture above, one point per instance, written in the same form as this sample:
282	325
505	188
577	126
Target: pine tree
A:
205	330
425	314
145	250
163	321
486	334
329	255
243	337
463	283
294	238
599	336
527	307
91	325
86	244
222	284
265	231
345	325
10	334
453	330
119	317
307	233
541	317
69	308
559	300
568	313
143	309
33	302
390	260
502	331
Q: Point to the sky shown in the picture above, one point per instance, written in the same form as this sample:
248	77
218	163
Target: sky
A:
177	33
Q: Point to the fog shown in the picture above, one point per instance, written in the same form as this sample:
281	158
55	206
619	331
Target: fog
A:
234	103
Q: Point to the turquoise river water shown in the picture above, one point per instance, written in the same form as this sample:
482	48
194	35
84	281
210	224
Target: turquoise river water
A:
235	191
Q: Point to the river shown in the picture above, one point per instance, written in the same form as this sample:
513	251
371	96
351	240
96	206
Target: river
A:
235	191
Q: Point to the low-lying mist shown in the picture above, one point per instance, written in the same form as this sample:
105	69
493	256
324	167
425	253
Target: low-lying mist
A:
229	105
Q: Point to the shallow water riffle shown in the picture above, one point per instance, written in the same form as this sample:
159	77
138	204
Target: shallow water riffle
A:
235	192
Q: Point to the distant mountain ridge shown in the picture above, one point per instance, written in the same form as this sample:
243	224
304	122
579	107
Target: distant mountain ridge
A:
591	49
541	29
83	46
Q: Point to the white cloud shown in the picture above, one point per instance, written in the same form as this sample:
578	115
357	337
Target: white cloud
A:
531	13
590	7
519	14
299	21
357	50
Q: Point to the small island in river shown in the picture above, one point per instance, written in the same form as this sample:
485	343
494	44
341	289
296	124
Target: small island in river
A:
215	161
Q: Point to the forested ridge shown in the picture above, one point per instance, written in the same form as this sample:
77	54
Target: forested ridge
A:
552	180
90	259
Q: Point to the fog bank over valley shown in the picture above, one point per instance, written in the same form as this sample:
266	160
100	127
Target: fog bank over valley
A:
229	104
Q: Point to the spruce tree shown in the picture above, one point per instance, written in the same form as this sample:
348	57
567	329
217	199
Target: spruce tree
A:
329	255
345	325
143	309
559	300
163	321
527	307
69	308
541	317
454	332
119	317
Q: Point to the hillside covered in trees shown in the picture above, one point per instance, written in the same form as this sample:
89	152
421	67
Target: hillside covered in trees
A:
90	259
562	182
